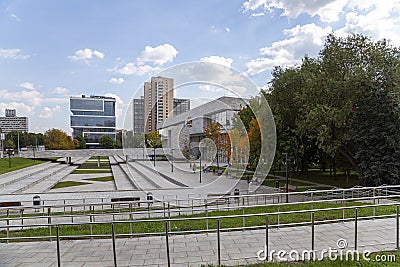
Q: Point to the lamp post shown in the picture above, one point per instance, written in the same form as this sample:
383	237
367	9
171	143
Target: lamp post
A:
154	155
172	159
200	163
2	137
287	178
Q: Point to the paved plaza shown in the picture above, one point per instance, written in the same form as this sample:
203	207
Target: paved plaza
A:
136	179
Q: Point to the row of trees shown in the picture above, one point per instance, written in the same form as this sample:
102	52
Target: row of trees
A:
339	110
55	139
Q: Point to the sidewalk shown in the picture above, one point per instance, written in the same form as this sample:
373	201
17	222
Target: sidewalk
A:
239	247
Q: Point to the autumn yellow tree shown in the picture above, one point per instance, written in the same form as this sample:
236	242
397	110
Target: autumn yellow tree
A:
221	141
57	139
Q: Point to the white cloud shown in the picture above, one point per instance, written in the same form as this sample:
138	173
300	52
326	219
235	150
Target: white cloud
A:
327	10
27	85
306	39
378	21
257	14
252	5
135	68
15	17
48	113
60	91
158	55
117	80
118	104
226	61
28	97
14	53
85	55
227	29
22	109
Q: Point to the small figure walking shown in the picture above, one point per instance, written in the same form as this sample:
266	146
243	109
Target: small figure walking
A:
194	167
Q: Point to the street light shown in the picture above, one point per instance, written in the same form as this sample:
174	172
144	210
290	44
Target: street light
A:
287	178
200	163
172	159
154	155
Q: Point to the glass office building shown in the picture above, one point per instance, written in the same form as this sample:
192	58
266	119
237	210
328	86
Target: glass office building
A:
93	117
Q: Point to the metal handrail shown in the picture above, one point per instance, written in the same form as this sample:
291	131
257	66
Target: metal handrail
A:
217	230
153	212
245	195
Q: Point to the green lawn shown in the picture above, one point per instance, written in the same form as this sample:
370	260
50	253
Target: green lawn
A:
342	180
68	184
189	225
101	179
17	163
271	183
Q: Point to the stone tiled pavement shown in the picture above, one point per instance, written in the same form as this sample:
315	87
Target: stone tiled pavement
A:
196	249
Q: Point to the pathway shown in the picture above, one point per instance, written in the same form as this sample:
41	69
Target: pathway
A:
239	247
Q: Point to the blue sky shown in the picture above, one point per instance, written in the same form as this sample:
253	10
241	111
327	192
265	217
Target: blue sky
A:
51	50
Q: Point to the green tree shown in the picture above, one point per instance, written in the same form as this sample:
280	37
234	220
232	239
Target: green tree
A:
376	134
57	139
106	142
80	142
317	105
9	144
153	139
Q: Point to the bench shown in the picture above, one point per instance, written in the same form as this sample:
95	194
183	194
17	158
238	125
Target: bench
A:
220	198
291	188
10	204
127	199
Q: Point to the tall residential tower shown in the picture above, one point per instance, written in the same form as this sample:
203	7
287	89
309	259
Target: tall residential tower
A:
158	102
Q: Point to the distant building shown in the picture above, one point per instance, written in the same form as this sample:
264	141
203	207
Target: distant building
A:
93	117
158	102
187	129
138	115
157	105
11	122
181	106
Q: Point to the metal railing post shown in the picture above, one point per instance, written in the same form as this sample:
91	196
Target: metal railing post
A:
266	237
58	246
206	215
355	228
169	216
91	220
130	219
312	234
243	219
279	216
8	224
167	243
374	209
219	241
113	244
397	227
49	221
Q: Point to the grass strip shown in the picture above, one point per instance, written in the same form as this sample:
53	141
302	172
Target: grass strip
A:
67	184
78	171
101	179
189	225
